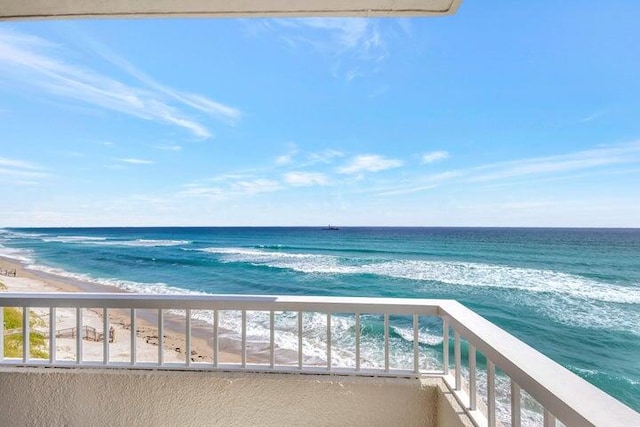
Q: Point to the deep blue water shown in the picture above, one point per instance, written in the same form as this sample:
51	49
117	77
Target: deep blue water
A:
573	294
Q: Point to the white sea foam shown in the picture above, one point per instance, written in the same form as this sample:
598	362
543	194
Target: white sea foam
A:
144	242
448	272
127	285
424	336
18	234
286	337
22	255
72	239
104	241
567	298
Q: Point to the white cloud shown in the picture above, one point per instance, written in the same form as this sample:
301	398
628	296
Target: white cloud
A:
260	185
369	163
326	156
200	191
20	171
287	158
587	159
137	161
305	179
174	147
415	185
34	61
539	169
408	190
435	156
593	116
230	186
348	32
18	164
199	102
349	42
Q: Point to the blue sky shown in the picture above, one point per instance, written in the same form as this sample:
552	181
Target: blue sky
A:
502	115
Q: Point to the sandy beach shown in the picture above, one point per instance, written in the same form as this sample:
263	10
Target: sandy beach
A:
27	280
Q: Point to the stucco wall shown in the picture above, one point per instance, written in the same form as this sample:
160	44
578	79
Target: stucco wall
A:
81	397
449	412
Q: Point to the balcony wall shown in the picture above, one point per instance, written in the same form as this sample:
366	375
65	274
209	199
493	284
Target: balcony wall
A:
120	397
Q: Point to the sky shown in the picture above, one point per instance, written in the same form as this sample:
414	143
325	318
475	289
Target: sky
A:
506	114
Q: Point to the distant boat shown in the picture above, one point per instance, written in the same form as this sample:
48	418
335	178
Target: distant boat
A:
329	227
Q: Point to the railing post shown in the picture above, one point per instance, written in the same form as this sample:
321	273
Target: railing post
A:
457	359
187	334
25	334
515	404
52	335
300	340
272	339
106	336
357	341
133	336
78	335
549	419
473	389
416	346
329	341
491	394
386	342
244	339
160	337
215	338
445	346
1	334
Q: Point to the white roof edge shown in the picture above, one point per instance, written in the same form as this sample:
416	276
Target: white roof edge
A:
46	9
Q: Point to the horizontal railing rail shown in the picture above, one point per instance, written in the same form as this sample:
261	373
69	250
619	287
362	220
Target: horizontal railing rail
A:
563	395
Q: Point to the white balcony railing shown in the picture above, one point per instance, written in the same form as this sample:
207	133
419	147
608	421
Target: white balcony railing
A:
563	395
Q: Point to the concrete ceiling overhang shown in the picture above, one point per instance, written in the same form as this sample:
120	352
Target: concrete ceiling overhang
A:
59	9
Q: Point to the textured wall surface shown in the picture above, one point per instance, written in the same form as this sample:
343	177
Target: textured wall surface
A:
449	412
82	397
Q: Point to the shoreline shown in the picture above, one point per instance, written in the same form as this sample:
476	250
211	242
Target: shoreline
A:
27	280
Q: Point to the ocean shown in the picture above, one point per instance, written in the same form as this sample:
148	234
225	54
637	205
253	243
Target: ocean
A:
573	294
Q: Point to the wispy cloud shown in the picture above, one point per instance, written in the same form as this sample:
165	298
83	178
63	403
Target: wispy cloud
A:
357	34
586	159
305	179
287	158
31	60
199	102
407	190
434	156
198	190
593	116
21	171
325	157
173	147
349	42
231	185
369	163
256	186
536	169
414	185
133	161
18	164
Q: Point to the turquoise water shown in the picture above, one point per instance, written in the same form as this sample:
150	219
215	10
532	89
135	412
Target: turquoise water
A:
573	294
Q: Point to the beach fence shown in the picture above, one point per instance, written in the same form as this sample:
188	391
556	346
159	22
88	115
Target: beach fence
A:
8	273
87	333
